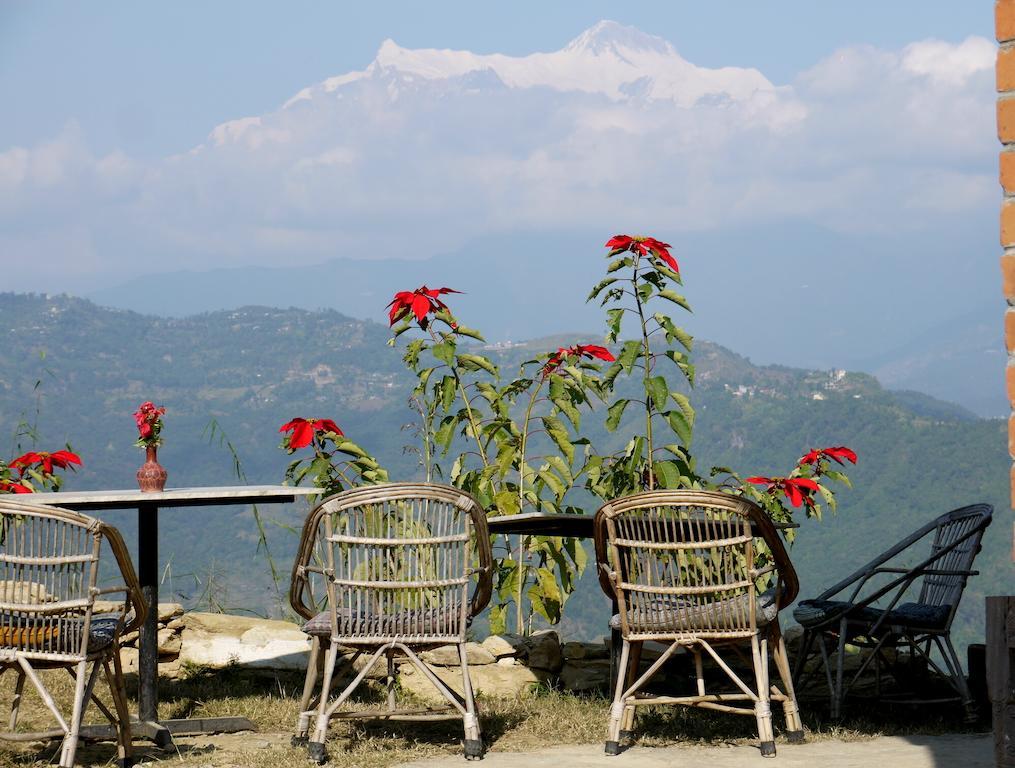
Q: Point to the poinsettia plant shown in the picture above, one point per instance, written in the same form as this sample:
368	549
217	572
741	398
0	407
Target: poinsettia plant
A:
148	418
36	470
513	440
638	288
334	463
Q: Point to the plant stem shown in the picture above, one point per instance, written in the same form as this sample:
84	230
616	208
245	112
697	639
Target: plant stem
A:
647	372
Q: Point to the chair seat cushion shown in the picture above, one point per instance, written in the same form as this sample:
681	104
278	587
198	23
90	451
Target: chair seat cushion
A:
813	613
441	623
32	634
697	617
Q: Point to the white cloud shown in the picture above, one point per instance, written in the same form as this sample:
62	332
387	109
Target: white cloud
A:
424	149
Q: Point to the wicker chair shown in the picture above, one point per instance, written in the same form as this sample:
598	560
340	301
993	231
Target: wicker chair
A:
49	581
385	570
847	612
687	568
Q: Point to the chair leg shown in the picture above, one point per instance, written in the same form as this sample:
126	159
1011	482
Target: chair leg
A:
806	643
763	706
19	688
316	745
840	665
301	736
114	678
790	708
633	666
70	742
473	736
952	660
617	710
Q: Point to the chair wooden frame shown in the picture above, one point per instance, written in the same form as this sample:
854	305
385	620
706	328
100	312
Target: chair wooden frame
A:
394	563
851	616
683	568
49	571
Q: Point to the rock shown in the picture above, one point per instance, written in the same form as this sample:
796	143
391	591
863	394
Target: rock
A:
585	651
503	645
447	655
128	659
130	638
107	606
507	661
585	675
169	611
217	640
490	680
170	643
176	624
544	650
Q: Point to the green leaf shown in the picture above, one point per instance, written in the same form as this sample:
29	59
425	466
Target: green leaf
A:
446	433
561	437
618	264
599	287
562	469
498	620
507	502
472	333
657	389
547	582
684	403
445	352
412	350
475	362
447	393
645	291
614	413
680	425
629	354
674	332
667	475
613	320
551	480
676	298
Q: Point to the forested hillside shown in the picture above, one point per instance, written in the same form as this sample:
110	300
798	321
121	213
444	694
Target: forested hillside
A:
75	372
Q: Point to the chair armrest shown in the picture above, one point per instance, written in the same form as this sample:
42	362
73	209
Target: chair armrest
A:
133	597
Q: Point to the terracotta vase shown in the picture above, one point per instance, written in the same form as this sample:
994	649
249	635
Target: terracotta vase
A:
151	477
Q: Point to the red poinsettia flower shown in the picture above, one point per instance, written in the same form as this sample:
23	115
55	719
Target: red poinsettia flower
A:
644	246
303	431
797	489
836	453
6	487
420	303
47	461
591	351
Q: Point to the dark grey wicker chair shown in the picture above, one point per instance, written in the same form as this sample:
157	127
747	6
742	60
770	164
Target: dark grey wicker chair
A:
49	582
686	568
892	603
386	570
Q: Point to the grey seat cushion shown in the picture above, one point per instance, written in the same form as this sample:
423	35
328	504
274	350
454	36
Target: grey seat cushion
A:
414	622
697	617
813	613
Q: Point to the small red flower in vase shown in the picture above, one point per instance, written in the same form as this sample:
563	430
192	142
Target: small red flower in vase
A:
151	477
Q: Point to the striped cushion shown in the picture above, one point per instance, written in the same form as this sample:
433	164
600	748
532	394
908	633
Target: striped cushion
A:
700	617
30	633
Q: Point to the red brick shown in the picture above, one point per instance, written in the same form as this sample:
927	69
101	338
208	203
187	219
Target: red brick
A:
1006	120
1006	162
1004	20
1005	69
1009	329
1008	228
1009	376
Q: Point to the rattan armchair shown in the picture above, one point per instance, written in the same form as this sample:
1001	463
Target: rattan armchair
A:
705	572
49	582
385	571
869	608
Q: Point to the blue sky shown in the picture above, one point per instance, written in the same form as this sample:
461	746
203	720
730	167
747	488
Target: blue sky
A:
152	78
826	168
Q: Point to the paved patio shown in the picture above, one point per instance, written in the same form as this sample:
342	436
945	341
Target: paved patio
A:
887	752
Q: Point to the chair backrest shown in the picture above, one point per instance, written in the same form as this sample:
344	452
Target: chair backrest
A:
692	560
955	544
49	572
397	561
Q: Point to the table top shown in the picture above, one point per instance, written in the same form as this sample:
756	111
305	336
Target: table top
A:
176	497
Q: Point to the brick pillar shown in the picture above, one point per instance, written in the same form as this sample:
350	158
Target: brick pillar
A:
1004	24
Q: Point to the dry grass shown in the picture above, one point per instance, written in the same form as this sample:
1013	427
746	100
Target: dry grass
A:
546	718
